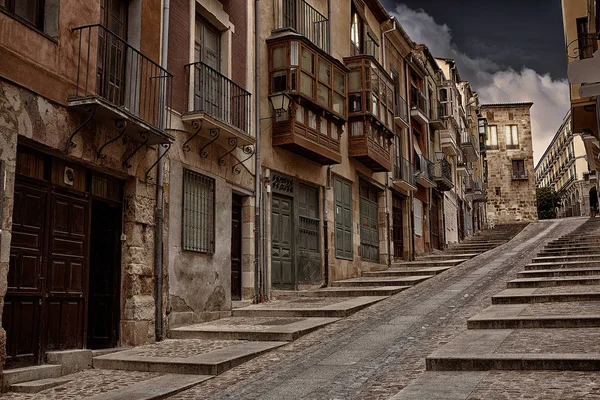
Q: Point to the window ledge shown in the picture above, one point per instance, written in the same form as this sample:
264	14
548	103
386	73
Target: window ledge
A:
29	25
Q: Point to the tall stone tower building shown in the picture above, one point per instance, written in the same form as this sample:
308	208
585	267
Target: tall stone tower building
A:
510	169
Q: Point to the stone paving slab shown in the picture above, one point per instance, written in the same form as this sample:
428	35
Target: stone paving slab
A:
429	271
554	281
381	281
190	356
38	385
542	295
353	291
252	328
331	307
454	261
441	385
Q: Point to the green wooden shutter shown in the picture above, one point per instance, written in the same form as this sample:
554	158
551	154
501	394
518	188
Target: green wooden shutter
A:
343	218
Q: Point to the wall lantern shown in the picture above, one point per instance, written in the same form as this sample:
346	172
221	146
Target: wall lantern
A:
280	102
439	155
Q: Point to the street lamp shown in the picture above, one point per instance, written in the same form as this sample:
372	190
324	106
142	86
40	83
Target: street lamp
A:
439	155
280	102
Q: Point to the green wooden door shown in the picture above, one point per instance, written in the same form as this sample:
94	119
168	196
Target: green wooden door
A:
369	225
308	243
343	218
282	265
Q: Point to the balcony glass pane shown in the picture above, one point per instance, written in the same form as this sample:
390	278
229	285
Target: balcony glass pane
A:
374	108
324	71
356	128
300	114
323	95
294	54
354	81
339	82
307	60
355	102
307	85
279	81
323	129
279	57
312	120
338	103
334	131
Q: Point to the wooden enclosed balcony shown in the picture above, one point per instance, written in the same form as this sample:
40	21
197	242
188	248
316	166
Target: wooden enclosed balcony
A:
370	145
469	145
316	84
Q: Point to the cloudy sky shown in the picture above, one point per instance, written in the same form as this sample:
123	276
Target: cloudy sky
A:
509	50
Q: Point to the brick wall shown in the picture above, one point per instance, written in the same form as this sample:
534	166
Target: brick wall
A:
238	15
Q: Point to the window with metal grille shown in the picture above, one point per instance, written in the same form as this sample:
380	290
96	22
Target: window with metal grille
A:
518	169
198	212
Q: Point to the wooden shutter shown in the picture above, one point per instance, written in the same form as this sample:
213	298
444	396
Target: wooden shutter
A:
343	218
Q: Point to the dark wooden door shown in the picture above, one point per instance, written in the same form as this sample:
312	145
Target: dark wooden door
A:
112	51
308	243
283	275
435	223
397	231
67	272
105	267
461	221
22	303
236	248
369	225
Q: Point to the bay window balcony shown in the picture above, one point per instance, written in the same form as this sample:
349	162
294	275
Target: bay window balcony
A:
402	112
404	174
424	171
450	141
437	115
371	112
316	84
116	82
469	145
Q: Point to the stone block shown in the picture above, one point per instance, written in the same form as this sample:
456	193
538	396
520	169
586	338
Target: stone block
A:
71	360
5	238
135	333
139	308
139	269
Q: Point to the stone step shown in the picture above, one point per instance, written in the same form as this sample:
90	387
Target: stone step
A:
569	243
27	374
273	329
353	291
529	296
555	259
515	361
431	271
553	281
442	256
567	252
37	386
203	362
533	322
572	247
160	387
433	263
381	281
461	251
562	265
559	272
309	307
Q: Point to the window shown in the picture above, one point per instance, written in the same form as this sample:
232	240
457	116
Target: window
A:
356	32
41	14
518	169
512	137
492	139
498	193
418	216
198	212
343	218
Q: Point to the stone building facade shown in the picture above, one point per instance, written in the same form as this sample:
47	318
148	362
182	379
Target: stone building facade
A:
511	176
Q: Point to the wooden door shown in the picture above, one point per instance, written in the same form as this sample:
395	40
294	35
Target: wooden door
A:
236	248
105	269
369	225
283	275
208	91
308	244
111	69
343	218
67	272
397	228
461	221
22	303
435	223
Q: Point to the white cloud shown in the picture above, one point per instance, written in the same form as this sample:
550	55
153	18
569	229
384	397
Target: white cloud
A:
495	85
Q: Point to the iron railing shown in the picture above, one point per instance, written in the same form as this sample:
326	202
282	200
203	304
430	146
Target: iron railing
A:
467	139
424	167
418	101
522	174
401	110
110	68
583	47
404	170
304	19
437	110
219	97
443	170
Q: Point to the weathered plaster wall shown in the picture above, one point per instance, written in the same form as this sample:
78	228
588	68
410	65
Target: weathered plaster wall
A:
451	217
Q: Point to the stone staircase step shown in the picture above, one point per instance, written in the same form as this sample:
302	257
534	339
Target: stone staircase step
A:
354	291
38	385
573	247
273	329
562	265
559	272
430	271
160	387
202	362
381	281
533	322
309	307
433	263
442	256
567	252
555	259
553	281
27	374
533	295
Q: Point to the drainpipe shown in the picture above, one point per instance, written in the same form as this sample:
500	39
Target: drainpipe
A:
411	150
257	172
158	232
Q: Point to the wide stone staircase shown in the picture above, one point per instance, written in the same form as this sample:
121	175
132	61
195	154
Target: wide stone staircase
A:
548	318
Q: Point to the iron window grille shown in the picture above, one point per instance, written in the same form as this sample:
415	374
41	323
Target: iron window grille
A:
198	213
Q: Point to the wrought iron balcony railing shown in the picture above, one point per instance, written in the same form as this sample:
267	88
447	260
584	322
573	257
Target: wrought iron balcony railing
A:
418	101
443	170
424	167
404	170
304	19
401	110
438	110
112	70
219	97
518	175
583	47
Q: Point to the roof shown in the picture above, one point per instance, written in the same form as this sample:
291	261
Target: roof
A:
508	104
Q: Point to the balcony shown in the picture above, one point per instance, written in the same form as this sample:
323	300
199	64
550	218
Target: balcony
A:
116	82
523	175
583	47
450	141
437	116
402	112
469	187
404	175
217	103
469	145
461	168
370	146
418	105
301	17
443	175
424	172
479	192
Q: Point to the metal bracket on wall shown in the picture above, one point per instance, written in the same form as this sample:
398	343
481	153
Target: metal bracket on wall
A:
250	150
121	125
92	112
233	143
186	147
167	147
144	142
214	133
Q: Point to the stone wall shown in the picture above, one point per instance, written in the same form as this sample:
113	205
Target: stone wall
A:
510	199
